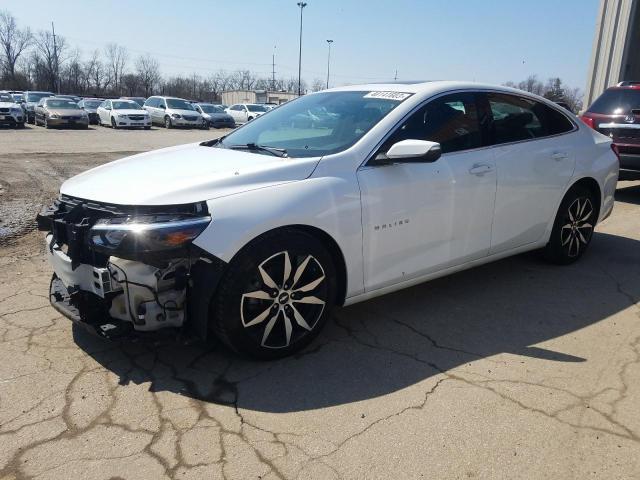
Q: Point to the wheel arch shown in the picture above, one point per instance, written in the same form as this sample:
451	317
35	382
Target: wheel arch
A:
593	186
327	241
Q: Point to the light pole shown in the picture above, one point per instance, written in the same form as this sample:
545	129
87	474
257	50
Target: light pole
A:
329	42
301	5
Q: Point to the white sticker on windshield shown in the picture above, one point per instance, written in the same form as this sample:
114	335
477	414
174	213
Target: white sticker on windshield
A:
388	95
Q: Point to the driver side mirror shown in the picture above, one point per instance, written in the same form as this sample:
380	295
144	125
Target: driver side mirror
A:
409	151
162	107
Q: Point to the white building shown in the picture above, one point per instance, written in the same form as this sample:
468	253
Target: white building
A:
616	47
256	96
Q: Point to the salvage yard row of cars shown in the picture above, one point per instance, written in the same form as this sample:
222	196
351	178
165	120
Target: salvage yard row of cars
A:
54	110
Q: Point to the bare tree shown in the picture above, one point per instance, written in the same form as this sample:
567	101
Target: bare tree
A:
116	62
149	73
13	42
50	56
317	85
573	97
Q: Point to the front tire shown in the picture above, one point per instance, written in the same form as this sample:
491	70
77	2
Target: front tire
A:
167	122
276	295
573	227
114	125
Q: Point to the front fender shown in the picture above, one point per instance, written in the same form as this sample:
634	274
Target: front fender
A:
331	204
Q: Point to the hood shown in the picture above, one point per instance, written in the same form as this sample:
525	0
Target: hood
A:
131	111
218	116
9	105
184	174
66	111
183	112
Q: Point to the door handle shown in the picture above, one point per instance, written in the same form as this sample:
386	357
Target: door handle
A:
557	156
480	169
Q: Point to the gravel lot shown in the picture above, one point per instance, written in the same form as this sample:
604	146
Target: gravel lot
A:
516	369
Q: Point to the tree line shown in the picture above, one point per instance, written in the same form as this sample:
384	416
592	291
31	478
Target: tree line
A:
39	61
554	89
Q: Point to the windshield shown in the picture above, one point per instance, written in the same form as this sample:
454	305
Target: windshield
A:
34	97
60	103
18	97
317	124
92	103
125	105
179	104
211	109
616	102
257	108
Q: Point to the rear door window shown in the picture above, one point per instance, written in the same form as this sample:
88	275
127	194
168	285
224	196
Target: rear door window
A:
518	118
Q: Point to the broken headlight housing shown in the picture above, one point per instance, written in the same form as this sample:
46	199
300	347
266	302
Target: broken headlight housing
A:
145	233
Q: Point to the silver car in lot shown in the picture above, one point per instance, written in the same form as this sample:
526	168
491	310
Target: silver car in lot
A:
174	112
215	115
90	105
11	113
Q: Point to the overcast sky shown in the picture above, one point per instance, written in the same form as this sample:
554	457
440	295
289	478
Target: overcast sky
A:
490	41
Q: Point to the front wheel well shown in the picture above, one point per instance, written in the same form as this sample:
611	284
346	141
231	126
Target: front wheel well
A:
592	185
332	247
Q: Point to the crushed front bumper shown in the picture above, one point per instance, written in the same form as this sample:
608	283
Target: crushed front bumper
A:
114	297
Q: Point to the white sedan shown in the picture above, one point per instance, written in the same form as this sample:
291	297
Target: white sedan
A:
256	236
123	114
245	112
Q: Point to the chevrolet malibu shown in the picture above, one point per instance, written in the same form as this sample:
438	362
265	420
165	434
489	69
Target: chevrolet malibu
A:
256	236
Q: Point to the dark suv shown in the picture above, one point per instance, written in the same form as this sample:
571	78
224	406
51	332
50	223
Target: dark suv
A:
616	113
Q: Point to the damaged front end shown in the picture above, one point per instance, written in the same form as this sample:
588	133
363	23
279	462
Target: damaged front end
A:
119	269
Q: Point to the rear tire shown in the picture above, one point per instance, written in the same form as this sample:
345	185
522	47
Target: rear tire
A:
573	227
275	296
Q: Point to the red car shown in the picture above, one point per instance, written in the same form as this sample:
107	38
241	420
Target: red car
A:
616	113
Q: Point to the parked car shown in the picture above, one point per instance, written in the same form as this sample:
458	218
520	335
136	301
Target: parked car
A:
245	112
90	105
11	112
31	100
139	100
256	236
60	112
215	115
616	114
174	112
123	113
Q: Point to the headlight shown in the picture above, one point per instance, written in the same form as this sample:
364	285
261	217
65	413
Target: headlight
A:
145	233
175	115
54	115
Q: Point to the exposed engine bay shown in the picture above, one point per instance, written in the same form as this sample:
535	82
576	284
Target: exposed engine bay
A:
121	269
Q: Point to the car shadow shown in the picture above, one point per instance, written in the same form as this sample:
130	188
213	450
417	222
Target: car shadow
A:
381	346
629	194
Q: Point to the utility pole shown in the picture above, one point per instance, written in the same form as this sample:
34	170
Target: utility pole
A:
56	82
273	69
395	77
301	5
329	42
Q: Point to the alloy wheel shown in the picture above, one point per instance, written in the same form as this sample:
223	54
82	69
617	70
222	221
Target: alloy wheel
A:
576	233
284	300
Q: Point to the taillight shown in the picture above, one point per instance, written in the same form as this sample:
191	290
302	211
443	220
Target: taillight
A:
588	121
616	150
